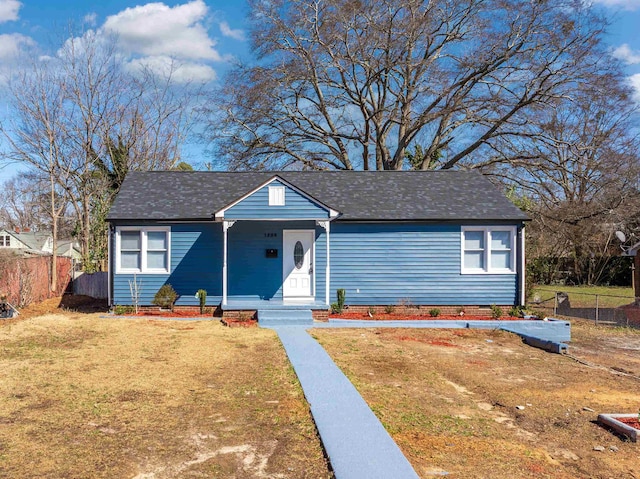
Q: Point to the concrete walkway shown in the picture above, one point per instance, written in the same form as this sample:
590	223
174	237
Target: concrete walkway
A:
357	444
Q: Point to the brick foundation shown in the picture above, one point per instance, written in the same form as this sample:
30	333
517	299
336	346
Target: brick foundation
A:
323	314
320	314
239	314
424	309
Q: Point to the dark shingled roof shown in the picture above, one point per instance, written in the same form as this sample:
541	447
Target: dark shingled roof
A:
357	195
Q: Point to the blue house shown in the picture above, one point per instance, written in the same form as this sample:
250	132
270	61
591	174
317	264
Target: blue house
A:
259	240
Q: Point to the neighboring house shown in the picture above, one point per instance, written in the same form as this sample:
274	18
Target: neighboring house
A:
37	243
257	238
70	249
26	241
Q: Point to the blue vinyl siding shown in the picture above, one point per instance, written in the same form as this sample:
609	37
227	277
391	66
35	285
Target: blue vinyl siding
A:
252	275
256	206
386	262
196	263
417	262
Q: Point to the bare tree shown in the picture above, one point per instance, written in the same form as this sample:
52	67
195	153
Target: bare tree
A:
140	115
25	204
345	84
578	166
109	120
37	137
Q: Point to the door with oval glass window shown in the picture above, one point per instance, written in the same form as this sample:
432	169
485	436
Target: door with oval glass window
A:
297	264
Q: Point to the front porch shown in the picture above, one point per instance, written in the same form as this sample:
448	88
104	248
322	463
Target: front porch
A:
271	304
276	312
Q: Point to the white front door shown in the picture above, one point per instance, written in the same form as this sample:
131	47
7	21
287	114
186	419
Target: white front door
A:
297	263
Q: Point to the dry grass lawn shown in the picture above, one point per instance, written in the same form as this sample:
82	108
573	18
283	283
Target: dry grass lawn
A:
83	396
449	398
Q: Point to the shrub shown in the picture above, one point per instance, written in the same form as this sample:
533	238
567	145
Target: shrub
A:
202	297
165	297
406	302
338	306
120	310
516	311
389	308
342	294
434	313
496	311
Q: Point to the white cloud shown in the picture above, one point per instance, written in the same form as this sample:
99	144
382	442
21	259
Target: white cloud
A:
626	54
227	31
90	19
9	10
156	29
634	80
181	72
12	44
624	4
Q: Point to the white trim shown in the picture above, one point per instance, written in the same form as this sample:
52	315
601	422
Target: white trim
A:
487	230
218	220
277	195
523	270
326	225
143	250
225	242
220	213
312	278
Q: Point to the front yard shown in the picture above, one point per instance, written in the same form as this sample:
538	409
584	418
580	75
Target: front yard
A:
87	396
83	396
481	404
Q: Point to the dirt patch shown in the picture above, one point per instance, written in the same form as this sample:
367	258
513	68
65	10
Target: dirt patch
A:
85	396
61	304
492	407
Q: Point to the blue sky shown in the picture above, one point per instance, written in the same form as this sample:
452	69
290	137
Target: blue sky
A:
204	35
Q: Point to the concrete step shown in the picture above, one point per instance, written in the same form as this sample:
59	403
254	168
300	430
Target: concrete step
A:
285	317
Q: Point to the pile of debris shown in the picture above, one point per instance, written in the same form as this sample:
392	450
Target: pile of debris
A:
7	310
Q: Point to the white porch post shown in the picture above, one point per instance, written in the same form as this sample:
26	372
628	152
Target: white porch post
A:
225	226
523	270
327	226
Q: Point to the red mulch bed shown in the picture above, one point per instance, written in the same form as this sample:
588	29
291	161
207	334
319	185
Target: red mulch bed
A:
425	317
630	421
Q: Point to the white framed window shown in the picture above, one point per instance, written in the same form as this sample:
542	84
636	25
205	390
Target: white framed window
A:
488	250
276	196
5	240
143	249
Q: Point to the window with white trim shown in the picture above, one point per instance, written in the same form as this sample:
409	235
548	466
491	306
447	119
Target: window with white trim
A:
488	249
5	240
143	250
276	196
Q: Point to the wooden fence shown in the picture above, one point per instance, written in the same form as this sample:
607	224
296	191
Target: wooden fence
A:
92	284
25	280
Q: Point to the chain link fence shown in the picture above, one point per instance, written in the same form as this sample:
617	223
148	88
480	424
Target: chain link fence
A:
616	310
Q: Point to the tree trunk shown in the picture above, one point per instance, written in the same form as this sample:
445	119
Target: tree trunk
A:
54	234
